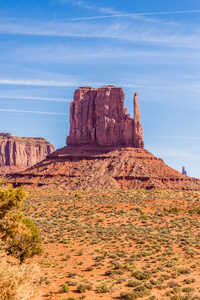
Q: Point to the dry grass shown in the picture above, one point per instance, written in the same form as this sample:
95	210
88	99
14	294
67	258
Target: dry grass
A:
18	282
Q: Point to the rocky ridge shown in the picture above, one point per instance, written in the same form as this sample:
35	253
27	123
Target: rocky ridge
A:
18	153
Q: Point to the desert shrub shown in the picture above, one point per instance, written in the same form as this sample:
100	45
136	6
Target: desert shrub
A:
10	198
20	235
128	295
72	282
117	265
81	288
120	280
65	288
72	274
43	280
172	210
139	292
173	284
89	268
140	288
187	280
112	272
188	289
130	266
133	283
194	211
141	275
184	271
148	285
103	288
18	281
22	238
66	258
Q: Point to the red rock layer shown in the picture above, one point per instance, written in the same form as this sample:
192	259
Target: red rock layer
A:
22	151
98	117
86	168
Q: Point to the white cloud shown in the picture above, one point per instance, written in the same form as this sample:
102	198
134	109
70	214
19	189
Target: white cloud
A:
37	82
35	98
137	31
174	137
135	15
60	53
90	6
32	112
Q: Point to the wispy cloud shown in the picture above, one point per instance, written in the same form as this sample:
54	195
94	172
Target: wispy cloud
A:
32	112
140	31
78	83
36	82
90	6
35	98
174	137
50	83
135	15
58	53
79	3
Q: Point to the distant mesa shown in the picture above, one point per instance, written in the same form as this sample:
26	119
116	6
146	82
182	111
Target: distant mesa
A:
105	150
18	153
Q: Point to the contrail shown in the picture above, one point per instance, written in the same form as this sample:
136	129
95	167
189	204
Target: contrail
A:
135	15
32	112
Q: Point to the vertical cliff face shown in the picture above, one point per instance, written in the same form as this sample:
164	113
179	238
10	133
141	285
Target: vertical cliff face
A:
98	117
22	151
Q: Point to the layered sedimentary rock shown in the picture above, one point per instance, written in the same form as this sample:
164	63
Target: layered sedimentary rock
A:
98	117
86	168
22	151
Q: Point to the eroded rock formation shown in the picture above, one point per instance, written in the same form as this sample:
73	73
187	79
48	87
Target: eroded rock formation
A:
22	151
86	168
105	150
98	117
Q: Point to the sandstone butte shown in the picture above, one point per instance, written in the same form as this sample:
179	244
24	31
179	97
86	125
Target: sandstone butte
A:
105	150
18	153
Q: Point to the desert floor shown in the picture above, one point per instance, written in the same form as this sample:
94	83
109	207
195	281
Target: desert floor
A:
125	244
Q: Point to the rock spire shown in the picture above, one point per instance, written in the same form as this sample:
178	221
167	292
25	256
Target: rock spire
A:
98	118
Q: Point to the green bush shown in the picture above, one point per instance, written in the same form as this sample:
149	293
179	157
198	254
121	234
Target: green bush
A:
174	210
65	288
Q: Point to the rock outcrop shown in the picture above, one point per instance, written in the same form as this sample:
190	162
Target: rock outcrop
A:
105	150
22	151
98	117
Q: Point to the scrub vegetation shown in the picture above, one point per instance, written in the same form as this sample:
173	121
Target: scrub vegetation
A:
125	244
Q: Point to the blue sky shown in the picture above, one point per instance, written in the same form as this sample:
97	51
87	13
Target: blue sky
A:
50	48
